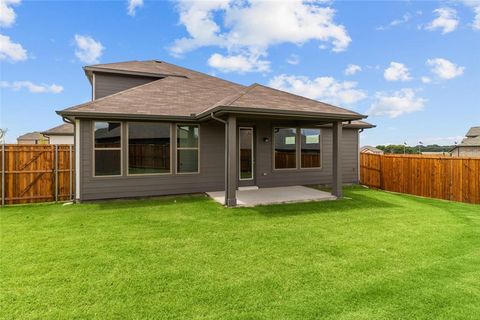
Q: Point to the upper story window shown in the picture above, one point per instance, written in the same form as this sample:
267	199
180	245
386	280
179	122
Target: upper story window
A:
187	148
107	148
149	148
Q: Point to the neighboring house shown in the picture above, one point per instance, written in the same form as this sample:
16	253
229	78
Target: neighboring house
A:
370	149
62	134
154	128
32	138
470	146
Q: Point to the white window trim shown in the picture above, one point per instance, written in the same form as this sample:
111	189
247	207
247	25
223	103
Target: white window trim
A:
186	148
128	154
111	149
239	155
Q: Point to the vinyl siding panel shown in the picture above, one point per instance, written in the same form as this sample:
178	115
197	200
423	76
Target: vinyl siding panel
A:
107	83
212	170
210	177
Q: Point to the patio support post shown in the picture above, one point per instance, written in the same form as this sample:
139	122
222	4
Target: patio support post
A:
231	190
337	160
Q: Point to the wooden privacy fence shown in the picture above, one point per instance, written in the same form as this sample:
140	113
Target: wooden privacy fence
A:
36	173
448	178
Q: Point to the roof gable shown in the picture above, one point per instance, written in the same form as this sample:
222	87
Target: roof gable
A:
188	93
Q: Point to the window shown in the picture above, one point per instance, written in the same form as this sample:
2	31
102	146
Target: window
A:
246	153
187	148
310	149
148	148
285	148
107	148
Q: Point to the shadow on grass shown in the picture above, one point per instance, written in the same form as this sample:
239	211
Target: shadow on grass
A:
353	201
136	203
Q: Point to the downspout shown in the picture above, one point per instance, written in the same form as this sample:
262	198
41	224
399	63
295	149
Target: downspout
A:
226	150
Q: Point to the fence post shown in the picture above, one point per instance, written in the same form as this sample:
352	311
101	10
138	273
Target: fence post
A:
70	172
56	173
3	174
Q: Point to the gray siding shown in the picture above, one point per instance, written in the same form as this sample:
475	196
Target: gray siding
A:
268	177
212	170
108	83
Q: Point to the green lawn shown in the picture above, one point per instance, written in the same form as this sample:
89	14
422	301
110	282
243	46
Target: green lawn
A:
373	255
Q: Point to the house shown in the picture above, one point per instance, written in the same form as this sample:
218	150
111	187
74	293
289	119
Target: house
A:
370	149
154	128
32	138
470	146
62	134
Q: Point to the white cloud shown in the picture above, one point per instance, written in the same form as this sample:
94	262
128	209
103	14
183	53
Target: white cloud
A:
133	5
10	50
397	72
446	20
88	50
426	79
404	19
293	59
32	87
475	5
393	105
238	63
444	68
325	89
244	27
352	69
7	14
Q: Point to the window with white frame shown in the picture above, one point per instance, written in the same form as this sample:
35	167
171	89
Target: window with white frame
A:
107	148
187	148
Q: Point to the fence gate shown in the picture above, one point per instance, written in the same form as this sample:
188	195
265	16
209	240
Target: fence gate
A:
36	173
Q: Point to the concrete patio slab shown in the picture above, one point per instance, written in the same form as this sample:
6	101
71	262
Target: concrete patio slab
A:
263	196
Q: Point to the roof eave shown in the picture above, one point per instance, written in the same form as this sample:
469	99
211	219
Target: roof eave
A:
120	116
219	110
90	69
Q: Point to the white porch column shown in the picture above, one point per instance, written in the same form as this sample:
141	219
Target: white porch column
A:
337	160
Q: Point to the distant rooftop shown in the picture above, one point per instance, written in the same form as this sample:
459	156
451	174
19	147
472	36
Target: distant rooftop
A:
473	132
63	129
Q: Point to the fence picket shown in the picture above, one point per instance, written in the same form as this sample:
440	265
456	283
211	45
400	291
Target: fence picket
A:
36	173
449	178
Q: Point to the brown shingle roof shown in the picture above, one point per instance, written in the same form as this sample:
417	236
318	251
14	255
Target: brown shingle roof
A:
473	132
149	67
470	142
171	96
31	136
63	129
258	96
195	93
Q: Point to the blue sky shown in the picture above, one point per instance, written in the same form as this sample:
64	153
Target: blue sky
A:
413	67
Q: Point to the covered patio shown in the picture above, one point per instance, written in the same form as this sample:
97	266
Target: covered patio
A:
250	197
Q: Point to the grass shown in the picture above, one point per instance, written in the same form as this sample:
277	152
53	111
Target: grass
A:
374	256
